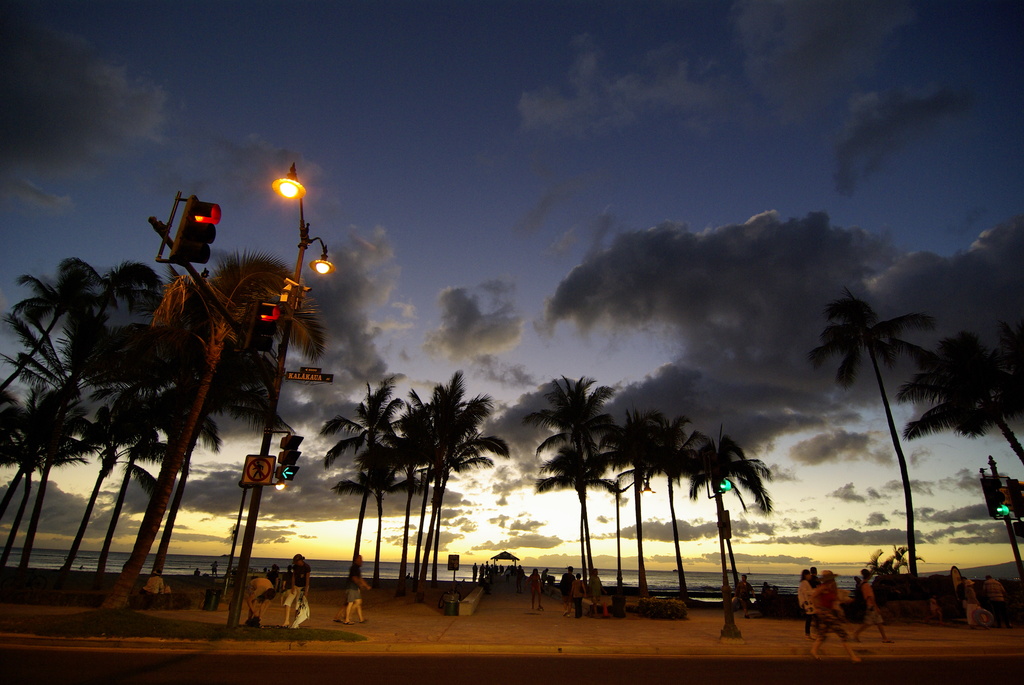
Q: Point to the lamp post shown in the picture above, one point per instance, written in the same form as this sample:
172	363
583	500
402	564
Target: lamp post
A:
288	187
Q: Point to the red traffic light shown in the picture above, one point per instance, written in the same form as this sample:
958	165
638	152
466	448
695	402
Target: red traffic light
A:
195	232
269	312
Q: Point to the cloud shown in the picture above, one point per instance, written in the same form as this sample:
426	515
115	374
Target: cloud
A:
66	109
467	330
849	536
848	493
594	101
798	55
838	446
880	124
740	305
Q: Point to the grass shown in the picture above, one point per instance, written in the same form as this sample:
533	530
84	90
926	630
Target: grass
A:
127	623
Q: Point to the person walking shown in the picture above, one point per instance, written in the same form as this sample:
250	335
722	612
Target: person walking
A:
535	591
872	615
996	594
596	592
579	591
298	587
827	614
803	595
353	591
565	587
743	593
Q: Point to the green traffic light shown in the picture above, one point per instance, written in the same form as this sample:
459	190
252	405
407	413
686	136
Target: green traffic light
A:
725	485
1002	510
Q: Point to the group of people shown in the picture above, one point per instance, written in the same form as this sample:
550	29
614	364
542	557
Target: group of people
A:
994	598
822	603
263	589
575	590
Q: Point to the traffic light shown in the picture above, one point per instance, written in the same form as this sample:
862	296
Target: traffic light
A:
1015	496
725	485
286	458
196	231
262	327
995	497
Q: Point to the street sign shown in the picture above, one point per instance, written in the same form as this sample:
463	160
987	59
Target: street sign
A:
258	470
309	374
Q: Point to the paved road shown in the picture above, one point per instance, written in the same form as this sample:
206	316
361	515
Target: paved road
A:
63	666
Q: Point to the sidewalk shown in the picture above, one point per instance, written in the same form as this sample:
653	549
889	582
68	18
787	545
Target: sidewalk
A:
504	623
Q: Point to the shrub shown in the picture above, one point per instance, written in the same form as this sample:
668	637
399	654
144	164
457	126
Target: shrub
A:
654	607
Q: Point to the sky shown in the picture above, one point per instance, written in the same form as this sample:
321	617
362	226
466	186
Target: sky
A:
661	196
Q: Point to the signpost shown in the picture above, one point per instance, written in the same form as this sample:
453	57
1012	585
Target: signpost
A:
258	470
309	374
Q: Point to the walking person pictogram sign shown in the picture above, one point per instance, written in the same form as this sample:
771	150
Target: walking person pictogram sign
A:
259	470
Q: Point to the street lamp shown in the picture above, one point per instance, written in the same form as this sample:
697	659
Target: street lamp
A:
288	187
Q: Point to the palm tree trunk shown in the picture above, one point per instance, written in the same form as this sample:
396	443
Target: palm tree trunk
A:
73	552
118	597
101	563
44	477
172	512
9	495
683	592
359	524
641	569
375	583
419	530
421	585
1003	428
904	473
588	557
400	587
16	522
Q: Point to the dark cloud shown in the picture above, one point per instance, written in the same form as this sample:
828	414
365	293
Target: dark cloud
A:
848	536
881	124
66	109
742	306
468	329
799	55
839	446
594	101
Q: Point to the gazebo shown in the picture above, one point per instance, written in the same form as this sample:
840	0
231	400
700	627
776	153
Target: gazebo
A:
504	556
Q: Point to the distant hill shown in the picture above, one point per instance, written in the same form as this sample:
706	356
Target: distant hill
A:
1007	570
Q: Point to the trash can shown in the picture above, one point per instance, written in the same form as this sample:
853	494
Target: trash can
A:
619	606
451	605
212	600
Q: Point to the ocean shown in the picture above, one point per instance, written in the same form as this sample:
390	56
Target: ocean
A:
659	582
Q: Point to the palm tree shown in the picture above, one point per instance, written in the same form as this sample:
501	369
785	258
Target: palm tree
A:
371	435
633	445
113	439
575	416
41	312
411	454
65	367
675	456
853	330
726	460
29	431
78	287
969	387
184	314
454	423
567	471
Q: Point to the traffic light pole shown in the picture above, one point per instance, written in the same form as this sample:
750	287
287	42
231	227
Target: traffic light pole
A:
1009	525
244	555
